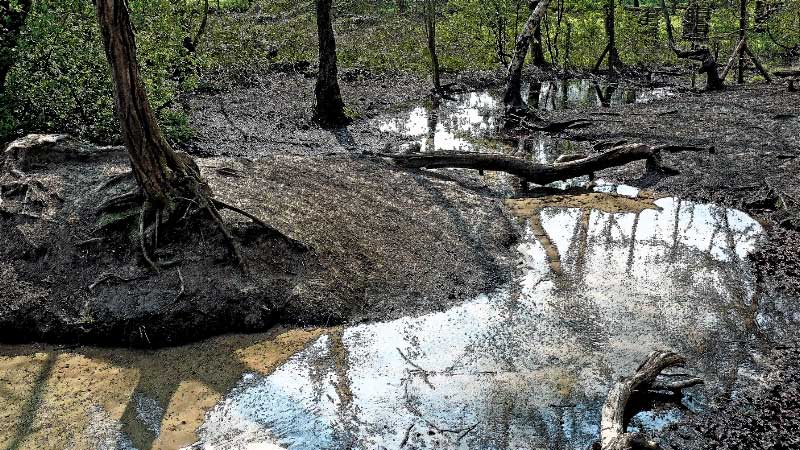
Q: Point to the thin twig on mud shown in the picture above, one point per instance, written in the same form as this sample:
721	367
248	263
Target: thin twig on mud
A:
89	241
112	276
222	205
183	286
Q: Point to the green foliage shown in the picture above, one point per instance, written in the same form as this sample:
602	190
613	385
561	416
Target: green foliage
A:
60	80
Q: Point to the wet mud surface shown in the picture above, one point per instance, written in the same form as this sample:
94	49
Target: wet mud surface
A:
475	316
384	243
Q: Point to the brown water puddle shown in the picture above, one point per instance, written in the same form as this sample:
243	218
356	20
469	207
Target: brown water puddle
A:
95	398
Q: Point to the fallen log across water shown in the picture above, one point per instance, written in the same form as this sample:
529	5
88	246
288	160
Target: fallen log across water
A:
643	383
545	173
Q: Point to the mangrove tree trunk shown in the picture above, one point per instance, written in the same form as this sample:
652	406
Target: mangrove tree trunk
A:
329	108
430	34
161	172
513	95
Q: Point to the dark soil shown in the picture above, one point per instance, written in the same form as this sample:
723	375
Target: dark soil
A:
764	416
385	243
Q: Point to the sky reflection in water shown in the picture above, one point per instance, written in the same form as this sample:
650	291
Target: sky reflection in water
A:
529	366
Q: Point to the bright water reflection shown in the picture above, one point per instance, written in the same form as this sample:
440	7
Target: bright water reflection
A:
586	93
529	366
447	124
456	124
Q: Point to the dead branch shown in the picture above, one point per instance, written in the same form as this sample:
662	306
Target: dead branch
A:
708	63
542	173
613	428
553	127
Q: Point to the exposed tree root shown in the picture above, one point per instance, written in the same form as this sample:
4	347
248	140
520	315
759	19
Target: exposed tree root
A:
220	205
522	120
116	179
121	201
151	218
108	277
213	212
142	244
644	382
545	173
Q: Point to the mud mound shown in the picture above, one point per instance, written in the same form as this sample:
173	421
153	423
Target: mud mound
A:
384	243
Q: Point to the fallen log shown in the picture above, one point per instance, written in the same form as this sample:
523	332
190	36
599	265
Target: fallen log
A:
644	382
544	173
790	75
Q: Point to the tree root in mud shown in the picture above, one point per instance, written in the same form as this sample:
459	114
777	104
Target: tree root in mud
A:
17	184
543	174
131	208
643	383
150	219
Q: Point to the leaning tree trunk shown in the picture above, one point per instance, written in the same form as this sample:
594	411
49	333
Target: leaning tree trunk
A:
162	173
11	22
513	95
329	108
169	181
708	63
537	49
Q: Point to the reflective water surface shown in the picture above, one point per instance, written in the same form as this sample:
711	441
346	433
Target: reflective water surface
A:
528	366
604	278
588	93
447	124
464	122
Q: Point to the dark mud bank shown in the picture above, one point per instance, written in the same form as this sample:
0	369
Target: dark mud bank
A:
383	244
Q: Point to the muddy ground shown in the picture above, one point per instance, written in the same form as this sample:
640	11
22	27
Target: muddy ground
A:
755	130
384	242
